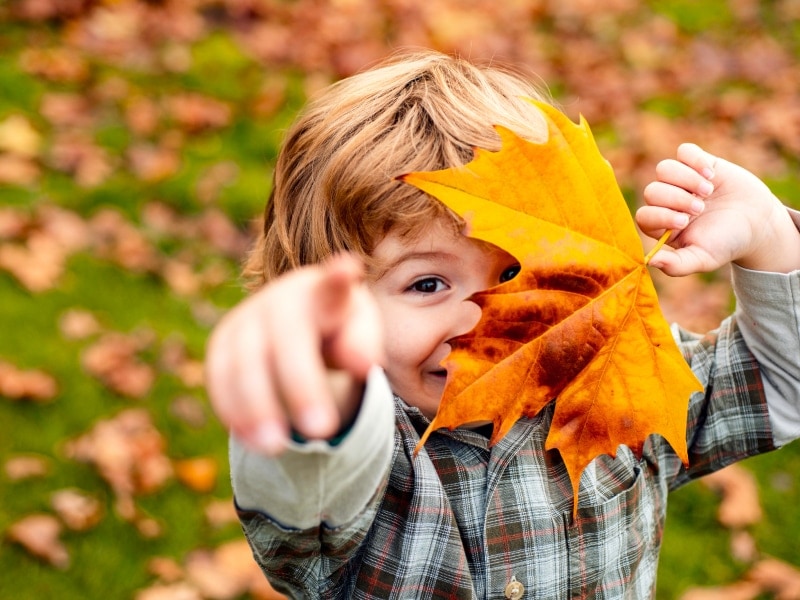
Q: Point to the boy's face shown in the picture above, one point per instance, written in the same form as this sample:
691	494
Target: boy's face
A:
421	285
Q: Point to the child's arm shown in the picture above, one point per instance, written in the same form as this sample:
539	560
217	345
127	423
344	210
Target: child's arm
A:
737	219
269	361
720	213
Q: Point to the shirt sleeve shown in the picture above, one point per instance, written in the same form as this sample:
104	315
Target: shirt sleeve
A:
313	482
768	313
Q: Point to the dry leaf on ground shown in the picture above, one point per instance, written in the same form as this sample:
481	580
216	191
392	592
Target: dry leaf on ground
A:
120	241
115	360
129	454
26	384
741	590
26	466
37	263
227	572
777	577
740	505
166	569
40	535
78	510
78	324
18	137
198	474
169	591
220	513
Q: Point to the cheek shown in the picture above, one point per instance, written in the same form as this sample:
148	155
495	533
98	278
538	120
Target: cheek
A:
409	337
401	345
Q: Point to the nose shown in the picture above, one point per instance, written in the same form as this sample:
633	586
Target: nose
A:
465	317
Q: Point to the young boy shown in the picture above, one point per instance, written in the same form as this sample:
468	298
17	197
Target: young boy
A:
328	374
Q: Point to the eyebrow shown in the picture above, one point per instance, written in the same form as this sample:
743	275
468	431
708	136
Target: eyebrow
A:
407	257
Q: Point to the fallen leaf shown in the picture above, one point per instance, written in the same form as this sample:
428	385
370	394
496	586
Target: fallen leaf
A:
165	568
76	154
198	474
743	546
148	527
741	590
221	573
65	227
13	223
195	112
177	58
18	137
40	535
26	466
213	180
216	576
66	110
580	324
26	384
117	239
16	170
142	115
228	572
215	227
181	277
190	410
78	324
37	264
175	359
78	510
128	453
740	505
60	64
114	360
220	513
38	10
153	163
778	577
171	591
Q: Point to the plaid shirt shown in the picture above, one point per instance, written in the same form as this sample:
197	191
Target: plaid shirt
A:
462	520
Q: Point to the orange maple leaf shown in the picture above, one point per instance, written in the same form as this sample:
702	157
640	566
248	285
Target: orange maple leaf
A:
580	324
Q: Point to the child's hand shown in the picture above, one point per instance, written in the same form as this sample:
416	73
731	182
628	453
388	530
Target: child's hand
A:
269	361
719	213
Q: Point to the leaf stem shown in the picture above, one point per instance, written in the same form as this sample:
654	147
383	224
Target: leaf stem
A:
661	241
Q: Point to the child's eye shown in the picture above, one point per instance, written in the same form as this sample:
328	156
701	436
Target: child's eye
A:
429	285
509	273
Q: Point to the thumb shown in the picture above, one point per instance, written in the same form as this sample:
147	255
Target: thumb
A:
678	262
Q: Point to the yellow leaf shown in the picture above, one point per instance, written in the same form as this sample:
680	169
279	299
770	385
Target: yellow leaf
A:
580	324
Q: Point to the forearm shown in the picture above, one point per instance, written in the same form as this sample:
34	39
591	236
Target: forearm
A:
768	312
314	482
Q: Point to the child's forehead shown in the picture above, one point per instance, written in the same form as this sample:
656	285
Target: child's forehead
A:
436	239
435	232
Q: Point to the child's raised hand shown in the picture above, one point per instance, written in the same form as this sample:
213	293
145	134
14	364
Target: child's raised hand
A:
719	213
270	361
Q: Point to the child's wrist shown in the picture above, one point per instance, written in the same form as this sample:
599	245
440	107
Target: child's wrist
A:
777	248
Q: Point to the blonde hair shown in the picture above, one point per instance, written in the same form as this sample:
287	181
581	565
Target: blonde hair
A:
334	186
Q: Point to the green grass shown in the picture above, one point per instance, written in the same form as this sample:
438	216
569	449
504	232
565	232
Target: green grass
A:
110	560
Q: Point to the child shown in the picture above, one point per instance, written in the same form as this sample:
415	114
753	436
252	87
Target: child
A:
360	270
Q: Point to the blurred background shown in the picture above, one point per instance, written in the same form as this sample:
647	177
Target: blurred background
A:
136	144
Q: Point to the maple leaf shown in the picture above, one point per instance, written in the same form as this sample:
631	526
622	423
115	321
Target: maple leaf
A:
580	324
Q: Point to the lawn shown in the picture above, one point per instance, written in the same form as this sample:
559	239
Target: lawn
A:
136	144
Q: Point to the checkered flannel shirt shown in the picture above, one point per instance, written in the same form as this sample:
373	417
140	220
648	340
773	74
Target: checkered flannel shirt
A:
461	520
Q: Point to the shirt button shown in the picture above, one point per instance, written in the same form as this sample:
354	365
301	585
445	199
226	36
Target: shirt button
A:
514	589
